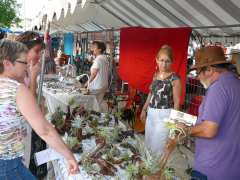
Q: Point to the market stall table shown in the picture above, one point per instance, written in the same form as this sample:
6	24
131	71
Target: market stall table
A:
60	97
60	168
103	146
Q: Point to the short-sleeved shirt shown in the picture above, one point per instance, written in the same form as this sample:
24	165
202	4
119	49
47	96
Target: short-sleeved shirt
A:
162	92
101	80
219	157
12	124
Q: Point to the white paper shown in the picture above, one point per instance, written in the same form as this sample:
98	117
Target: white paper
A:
46	156
185	118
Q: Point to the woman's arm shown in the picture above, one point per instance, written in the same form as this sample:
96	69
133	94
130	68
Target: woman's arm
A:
147	101
94	73
30	110
177	90
144	109
206	129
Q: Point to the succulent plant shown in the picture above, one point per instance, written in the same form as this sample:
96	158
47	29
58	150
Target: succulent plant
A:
109	135
71	102
57	118
73	144
77	132
132	171
150	162
77	122
169	173
111	153
107	120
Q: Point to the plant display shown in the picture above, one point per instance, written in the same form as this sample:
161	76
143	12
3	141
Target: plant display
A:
78	122
116	148
58	120
74	144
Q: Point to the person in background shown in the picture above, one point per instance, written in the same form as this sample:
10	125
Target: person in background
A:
35	45
15	100
33	143
2	34
164	94
217	149
99	72
50	66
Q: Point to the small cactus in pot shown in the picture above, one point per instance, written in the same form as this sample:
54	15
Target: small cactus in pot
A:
77	127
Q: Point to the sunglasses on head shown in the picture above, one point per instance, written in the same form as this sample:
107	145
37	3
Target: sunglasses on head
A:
22	62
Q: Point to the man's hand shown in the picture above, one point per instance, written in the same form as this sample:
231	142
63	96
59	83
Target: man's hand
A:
185	128
181	126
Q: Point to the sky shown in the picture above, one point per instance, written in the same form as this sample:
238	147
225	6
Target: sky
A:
29	10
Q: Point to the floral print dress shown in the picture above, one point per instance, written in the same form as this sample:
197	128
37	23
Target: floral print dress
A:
12	123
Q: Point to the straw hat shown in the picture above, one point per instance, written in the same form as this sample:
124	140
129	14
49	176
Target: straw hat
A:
210	55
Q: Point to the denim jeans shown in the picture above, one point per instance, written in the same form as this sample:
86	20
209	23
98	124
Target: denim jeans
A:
14	170
196	175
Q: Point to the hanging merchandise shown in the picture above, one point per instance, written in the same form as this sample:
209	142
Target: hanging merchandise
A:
68	43
55	42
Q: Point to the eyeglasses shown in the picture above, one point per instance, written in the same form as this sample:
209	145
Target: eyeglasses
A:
22	62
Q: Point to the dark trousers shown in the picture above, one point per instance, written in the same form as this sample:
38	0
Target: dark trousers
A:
37	145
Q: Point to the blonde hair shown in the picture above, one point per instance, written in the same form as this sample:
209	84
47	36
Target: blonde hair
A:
165	49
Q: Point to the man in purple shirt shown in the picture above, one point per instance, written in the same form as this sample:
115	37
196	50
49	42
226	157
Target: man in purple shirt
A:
217	155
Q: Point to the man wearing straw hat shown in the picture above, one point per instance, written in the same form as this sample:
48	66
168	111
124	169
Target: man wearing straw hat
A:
217	131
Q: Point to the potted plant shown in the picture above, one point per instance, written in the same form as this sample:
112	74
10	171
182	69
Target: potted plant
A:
77	127
74	144
57	120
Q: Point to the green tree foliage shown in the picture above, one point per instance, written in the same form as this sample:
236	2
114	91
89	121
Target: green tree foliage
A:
9	13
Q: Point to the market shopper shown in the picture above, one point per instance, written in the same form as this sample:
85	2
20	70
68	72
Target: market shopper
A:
15	100
98	81
217	151
33	143
35	45
164	94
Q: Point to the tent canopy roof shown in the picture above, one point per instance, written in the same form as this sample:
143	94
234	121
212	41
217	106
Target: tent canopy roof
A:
95	15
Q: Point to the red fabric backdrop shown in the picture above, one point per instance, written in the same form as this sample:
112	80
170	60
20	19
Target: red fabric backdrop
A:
138	49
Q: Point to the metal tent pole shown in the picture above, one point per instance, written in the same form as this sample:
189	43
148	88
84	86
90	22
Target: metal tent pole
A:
217	26
43	59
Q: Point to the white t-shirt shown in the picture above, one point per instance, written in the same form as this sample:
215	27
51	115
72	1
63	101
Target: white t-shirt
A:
101	80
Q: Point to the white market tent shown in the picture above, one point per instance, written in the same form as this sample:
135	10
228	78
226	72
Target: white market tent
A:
208	17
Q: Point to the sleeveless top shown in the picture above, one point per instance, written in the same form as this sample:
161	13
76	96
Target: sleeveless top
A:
162	92
12	124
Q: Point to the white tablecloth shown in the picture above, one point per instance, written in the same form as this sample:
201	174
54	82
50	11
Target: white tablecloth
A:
60	99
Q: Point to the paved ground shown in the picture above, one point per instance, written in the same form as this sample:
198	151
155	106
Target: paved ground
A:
181	162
